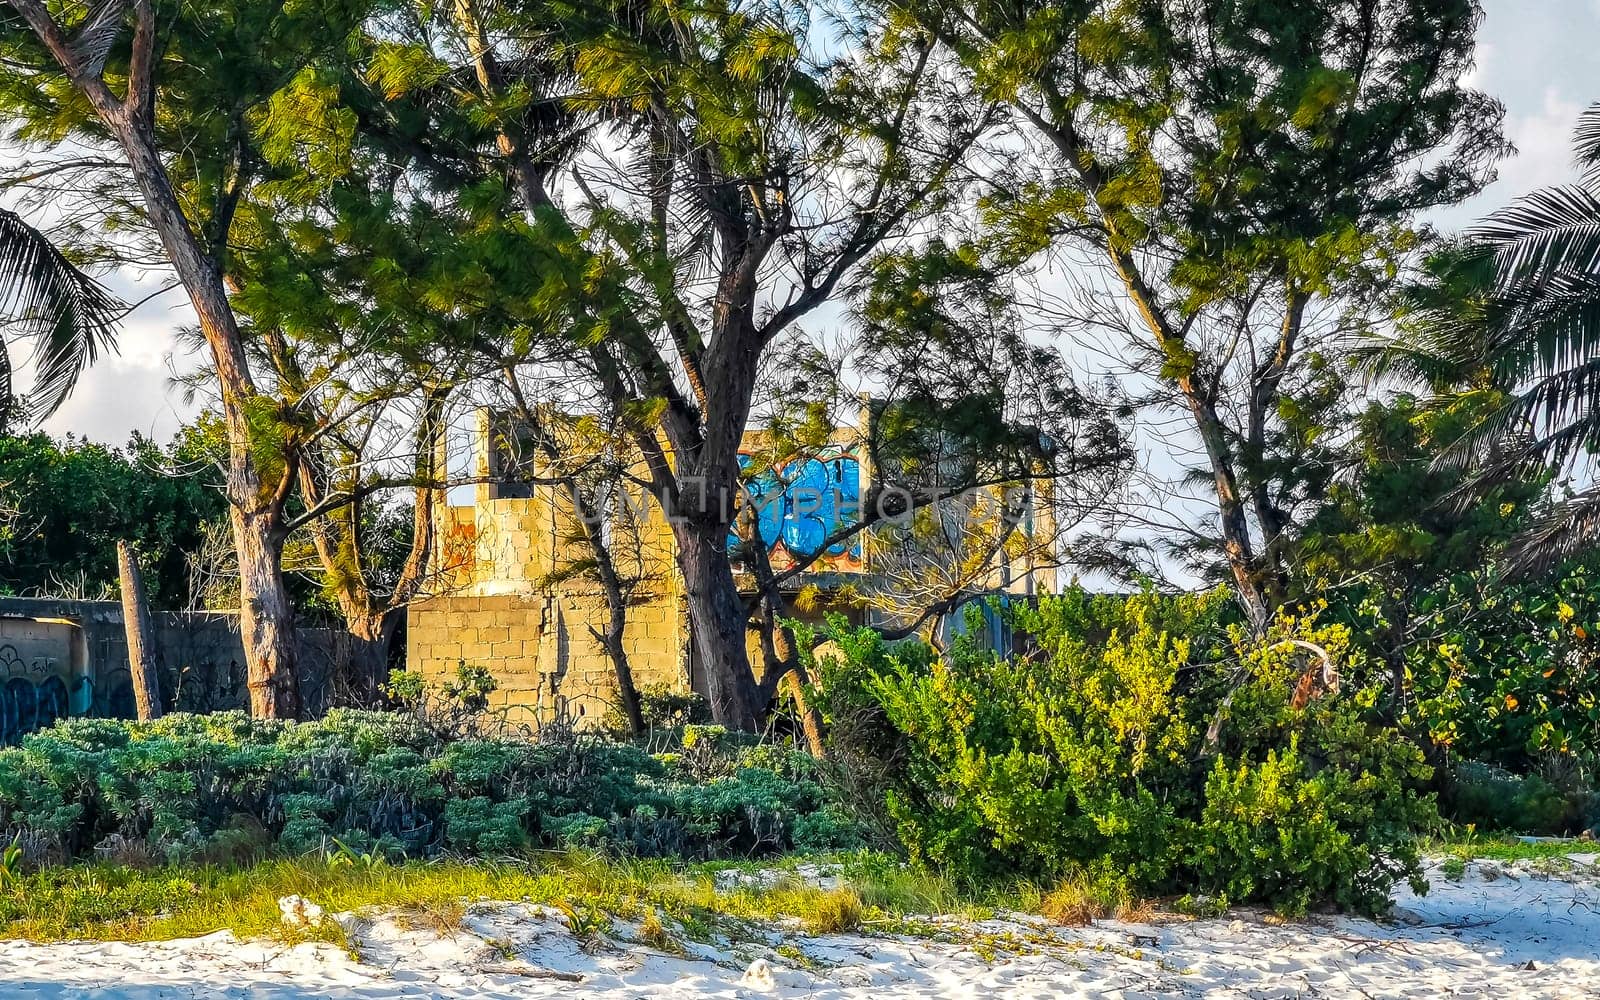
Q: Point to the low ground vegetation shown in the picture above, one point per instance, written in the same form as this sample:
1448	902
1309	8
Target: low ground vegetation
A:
224	787
1134	749
671	901
118	902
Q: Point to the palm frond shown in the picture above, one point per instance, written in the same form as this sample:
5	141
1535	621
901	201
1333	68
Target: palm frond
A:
1531	329
1587	140
1543	236
1559	400
1540	339
1548	425
10	408
1444	337
45	296
1569	530
98	33
1378	358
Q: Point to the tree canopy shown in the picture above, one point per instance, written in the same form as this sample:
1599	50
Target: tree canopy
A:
67	503
649	230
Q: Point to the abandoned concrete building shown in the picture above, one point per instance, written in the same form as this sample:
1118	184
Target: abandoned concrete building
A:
509	600
511	595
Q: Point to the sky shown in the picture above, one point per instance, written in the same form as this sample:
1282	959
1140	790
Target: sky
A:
1537	57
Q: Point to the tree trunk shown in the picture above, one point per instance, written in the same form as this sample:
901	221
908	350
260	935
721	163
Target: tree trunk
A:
1236	542
266	620
266	615
778	643
717	622
810	718
781	658
370	622
265	612
367	655
356	676
615	648
616	620
142	656
1237	547
524	176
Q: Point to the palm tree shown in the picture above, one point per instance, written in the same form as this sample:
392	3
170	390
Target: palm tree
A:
1514	308
45	297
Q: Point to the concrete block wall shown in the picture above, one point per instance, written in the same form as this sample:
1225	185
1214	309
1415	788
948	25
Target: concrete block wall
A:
546	660
514	548
518	601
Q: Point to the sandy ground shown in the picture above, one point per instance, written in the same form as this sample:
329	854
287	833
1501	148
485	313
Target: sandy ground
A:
1500	931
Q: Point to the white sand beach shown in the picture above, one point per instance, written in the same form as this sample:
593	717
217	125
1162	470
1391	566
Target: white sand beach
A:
1500	930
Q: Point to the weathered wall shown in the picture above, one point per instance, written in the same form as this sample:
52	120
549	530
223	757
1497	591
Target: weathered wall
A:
542	652
48	647
523	604
519	596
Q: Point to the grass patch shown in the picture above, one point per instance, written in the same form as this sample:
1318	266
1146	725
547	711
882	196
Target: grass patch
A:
1070	905
443	918
654	933
1472	847
835	911
116	903
669	901
1077	901
883	883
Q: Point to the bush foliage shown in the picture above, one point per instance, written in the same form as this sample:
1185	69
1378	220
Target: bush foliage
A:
210	787
1508	675
1144	740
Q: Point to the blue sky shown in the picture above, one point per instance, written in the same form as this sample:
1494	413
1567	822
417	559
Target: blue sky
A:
1538	57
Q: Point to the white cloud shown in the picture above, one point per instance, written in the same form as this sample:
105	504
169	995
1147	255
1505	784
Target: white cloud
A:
116	398
131	389
1543	139
1483	59
1544	146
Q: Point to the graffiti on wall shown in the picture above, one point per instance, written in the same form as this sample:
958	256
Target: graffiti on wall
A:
803	503
35	693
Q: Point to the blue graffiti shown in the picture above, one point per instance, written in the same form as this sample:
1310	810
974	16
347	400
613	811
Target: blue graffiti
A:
81	700
26	706
804	503
766	491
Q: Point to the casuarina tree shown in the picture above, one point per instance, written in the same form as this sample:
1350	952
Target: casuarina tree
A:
176	97
1224	185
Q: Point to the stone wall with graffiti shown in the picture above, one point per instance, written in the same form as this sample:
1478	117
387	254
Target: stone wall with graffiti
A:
70	658
42	678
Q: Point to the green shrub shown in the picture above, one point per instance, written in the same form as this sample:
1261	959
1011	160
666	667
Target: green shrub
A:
830	828
663	708
190	787
479	825
1490	798
577	830
454	707
1145	739
1505	674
